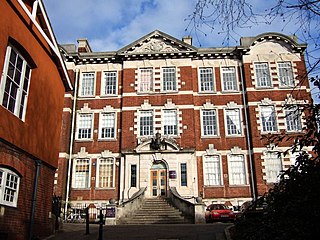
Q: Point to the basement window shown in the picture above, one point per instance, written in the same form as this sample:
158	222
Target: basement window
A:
9	187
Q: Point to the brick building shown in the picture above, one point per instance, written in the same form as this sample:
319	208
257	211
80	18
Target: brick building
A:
32	86
161	113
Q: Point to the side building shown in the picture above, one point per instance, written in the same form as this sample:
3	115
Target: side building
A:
161	113
32	86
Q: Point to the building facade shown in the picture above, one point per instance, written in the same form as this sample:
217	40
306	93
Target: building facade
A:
161	113
32	86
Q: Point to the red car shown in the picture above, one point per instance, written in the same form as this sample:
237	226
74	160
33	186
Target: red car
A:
219	212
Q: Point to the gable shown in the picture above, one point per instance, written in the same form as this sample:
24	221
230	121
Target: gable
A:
156	42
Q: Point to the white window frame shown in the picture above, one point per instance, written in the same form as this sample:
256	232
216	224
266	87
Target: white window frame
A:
206	85
293	120
20	99
265	127
262	77
101	126
84	90
168	121
235	173
238	110
78	127
203	125
110	179
151	130
145	87
75	182
218	177
272	171
285	74
107	78
9	187
167	79
186	174
227	70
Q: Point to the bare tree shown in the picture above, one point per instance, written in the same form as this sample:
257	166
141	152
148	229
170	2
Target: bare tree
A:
229	17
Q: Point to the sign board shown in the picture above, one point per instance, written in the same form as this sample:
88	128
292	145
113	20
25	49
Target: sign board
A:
172	174
110	212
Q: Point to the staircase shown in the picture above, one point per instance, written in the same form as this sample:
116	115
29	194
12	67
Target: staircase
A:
155	211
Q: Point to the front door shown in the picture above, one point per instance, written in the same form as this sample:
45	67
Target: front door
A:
158	182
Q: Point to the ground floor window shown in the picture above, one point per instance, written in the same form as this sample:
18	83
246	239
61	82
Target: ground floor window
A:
9	187
133	182
105	172
212	170
81	173
273	166
183	167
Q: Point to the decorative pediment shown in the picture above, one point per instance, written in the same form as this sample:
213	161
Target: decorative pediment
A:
156	42
211	150
106	154
159	144
266	101
83	153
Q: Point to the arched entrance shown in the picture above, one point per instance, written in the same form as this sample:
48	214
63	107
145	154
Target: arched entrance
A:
158	180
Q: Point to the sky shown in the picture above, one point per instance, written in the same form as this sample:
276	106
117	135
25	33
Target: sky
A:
110	25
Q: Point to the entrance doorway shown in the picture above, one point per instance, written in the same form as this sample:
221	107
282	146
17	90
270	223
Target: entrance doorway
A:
158	180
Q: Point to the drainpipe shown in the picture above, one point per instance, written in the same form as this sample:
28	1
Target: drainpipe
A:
253	183
34	198
71	143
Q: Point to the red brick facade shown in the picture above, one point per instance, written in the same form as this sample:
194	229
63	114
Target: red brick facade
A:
189	101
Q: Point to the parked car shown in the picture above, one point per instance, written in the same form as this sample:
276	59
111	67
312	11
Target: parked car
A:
219	212
253	209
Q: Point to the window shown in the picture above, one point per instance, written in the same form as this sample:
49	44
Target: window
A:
293	120
109	83
268	119
85	126
81	173
146	123
229	79
146	80
170	122
285	74
209	123
262	75
15	82
9	187
87	84
106	172
107	125
206	80
233	121
183	167
169	79
237	170
133	182
212	171
273	166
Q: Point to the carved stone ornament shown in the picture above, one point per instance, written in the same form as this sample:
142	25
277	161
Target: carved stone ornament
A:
154	45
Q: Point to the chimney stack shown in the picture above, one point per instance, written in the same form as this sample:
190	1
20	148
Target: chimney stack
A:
187	39
83	46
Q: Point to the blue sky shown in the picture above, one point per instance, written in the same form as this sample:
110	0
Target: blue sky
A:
110	25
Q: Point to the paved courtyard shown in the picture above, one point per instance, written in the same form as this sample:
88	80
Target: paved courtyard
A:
213	231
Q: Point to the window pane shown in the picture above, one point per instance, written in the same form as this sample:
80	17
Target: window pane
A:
170	122
229	78
268	119
87	84
84	126
81	176
273	166
106	172
146	80
107	125
262	75
212	175
285	74
209	122
16	84
169	79
110	83
293	120
183	174
233	121
237	174
133	182
146	123
206	79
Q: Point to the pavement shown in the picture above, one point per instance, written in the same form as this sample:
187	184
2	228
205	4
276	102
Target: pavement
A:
76	231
